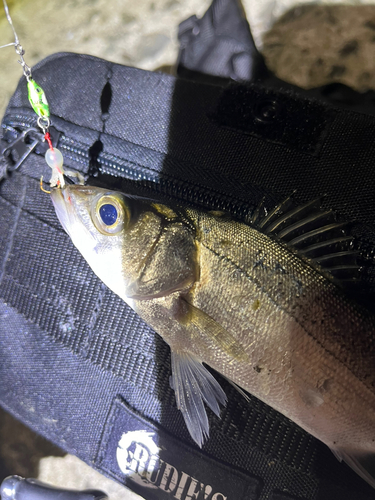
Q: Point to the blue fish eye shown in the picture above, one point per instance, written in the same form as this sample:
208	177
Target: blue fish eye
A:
108	214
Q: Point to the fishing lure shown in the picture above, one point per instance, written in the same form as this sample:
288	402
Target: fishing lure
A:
39	103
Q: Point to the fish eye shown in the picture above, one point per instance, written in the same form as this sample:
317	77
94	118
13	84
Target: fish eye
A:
110	213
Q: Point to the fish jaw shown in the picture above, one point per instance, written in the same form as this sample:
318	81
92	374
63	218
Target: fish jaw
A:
65	204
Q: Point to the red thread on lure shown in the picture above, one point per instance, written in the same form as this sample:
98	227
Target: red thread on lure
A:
48	139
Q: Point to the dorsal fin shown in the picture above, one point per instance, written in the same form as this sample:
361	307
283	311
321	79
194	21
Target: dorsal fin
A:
320	248
263	222
316	235
289	215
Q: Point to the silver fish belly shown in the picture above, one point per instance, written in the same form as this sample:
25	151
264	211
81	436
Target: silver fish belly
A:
248	305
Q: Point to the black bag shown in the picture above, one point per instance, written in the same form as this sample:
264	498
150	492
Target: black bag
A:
81	368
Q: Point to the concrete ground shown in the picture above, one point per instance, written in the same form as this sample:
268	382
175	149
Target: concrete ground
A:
310	45
303	48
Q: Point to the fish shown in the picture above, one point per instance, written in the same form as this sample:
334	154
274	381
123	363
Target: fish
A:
261	303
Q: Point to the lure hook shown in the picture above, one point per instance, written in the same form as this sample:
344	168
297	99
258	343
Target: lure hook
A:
42	188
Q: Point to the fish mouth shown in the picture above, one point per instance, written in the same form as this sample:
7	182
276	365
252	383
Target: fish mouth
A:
65	203
63	207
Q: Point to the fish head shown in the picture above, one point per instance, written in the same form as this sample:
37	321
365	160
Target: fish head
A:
137	247
90	214
96	221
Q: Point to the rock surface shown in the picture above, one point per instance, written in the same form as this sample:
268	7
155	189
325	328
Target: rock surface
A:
313	45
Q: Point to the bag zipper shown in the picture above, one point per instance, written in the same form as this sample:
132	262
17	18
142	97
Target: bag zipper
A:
19	128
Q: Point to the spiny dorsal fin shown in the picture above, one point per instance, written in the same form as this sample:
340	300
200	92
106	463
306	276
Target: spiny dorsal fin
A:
315	234
274	213
284	220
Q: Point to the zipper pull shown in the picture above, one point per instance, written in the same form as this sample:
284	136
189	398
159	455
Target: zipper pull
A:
15	153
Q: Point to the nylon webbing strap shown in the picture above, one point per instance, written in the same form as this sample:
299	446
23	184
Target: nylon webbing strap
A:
51	284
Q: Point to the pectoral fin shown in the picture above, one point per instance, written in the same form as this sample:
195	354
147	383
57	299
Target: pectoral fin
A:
363	464
194	385
215	332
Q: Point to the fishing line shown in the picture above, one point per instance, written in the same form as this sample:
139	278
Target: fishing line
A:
39	103
19	49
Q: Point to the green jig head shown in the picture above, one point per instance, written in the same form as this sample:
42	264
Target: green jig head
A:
37	99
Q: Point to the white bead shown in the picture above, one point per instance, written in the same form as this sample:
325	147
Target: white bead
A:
54	158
